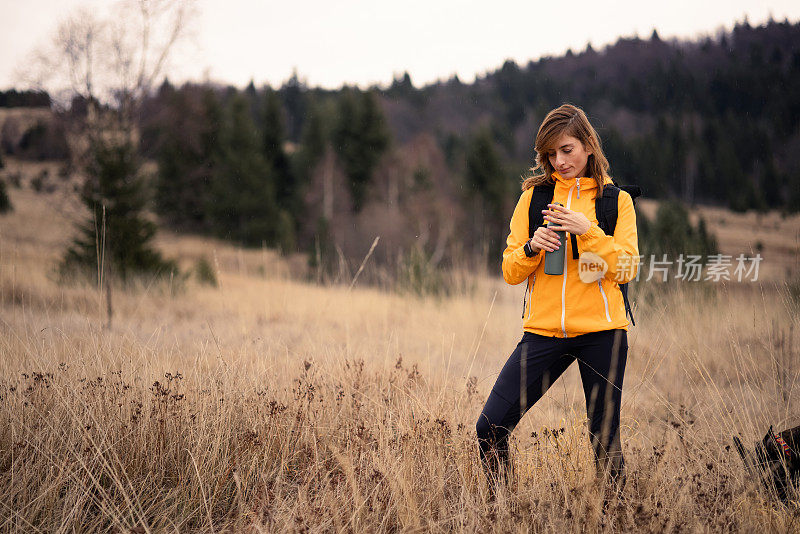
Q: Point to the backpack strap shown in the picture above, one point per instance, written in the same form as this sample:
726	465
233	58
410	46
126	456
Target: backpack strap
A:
606	209
541	197
606	206
624	289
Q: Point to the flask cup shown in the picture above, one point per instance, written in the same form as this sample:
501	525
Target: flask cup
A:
554	261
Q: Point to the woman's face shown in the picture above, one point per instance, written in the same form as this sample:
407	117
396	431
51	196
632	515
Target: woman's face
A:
569	157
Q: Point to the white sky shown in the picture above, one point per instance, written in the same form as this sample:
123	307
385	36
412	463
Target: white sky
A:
331	42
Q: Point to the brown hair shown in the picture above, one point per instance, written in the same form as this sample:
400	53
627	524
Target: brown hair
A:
570	120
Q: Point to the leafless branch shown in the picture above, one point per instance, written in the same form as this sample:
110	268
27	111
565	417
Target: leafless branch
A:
114	58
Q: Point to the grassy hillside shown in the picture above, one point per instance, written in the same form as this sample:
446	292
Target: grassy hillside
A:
774	236
271	404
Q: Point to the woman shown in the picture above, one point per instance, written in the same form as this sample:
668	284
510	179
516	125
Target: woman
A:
569	316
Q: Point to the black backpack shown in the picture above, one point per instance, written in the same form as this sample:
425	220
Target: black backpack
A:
605	210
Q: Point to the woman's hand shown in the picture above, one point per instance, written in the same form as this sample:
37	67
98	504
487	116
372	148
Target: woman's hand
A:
544	238
562	218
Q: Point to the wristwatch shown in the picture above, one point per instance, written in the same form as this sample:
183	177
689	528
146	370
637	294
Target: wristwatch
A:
527	248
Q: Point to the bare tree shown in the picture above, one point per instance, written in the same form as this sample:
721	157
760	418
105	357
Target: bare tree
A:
114	59
139	55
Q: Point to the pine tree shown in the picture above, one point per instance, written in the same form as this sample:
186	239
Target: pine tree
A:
485	172
487	184
252	97
361	137
276	158
242	203
374	128
287	193
347	141
186	153
312	146
295	101
706	241
117	235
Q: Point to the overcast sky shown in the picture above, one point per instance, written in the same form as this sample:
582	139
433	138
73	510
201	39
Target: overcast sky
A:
370	41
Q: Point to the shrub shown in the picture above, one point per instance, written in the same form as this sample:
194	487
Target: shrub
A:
672	233
205	272
416	274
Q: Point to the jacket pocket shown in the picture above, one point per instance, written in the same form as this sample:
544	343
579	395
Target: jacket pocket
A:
605	299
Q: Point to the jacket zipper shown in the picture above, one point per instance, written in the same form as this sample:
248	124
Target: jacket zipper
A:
578	183
605	300
530	297
564	283
525	297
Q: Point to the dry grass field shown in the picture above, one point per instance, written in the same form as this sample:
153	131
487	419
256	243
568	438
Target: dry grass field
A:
268	404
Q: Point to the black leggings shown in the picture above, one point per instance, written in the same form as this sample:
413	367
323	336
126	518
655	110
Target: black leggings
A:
530	370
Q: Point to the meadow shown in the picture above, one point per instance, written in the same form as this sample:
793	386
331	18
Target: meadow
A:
273	404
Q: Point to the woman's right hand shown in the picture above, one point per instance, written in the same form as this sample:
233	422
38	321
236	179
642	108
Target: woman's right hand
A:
544	239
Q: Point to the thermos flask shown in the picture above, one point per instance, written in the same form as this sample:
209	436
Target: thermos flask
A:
554	261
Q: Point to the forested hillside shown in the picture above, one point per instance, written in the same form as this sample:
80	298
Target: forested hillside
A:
713	120
436	169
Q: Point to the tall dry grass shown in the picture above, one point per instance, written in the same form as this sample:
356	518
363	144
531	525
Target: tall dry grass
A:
269	404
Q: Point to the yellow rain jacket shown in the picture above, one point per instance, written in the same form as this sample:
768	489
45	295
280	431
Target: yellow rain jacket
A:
564	305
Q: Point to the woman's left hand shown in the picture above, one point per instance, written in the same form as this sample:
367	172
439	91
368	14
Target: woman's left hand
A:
573	222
